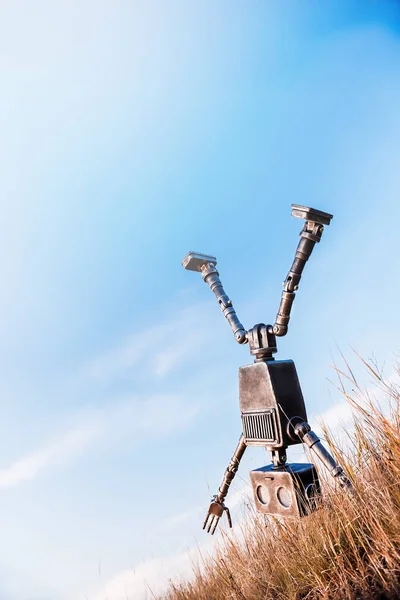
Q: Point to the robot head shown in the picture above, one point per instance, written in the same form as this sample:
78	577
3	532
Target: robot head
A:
290	491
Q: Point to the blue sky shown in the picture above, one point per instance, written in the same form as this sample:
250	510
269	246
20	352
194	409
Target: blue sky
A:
132	132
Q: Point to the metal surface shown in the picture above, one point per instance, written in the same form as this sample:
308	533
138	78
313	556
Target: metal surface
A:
270	394
211	277
310	235
261	427
290	491
217	506
311	214
272	406
215	512
193	261
262	342
303	430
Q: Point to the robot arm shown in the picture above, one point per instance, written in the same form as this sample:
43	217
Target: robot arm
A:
303	430
217	506
207	266
310	235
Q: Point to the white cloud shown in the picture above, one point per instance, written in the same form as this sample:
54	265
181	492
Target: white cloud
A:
243	494
178	353
149	416
147	578
138	418
145	416
160	348
64	450
154	576
340	415
336	416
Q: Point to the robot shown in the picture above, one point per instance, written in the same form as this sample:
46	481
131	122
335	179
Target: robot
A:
272	406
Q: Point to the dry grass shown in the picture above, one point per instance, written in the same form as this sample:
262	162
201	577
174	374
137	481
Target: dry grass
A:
349	549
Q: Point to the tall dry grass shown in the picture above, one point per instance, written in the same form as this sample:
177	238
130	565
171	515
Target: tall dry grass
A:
349	549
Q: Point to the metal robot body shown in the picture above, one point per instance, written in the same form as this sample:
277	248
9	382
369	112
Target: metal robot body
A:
272	406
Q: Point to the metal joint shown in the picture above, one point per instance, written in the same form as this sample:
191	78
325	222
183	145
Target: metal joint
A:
262	342
206	265
312	231
310	235
272	406
279	458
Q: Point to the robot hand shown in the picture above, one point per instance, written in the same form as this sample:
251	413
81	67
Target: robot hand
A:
215	512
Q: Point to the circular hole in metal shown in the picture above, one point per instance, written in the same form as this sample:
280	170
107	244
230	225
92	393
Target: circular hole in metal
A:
311	491
284	497
262	494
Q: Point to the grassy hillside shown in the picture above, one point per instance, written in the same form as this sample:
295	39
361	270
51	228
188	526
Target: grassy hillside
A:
349	549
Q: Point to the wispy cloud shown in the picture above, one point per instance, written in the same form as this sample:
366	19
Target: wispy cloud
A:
147	578
140	418
340	415
60	452
149	416
153	576
145	416
159	348
179	352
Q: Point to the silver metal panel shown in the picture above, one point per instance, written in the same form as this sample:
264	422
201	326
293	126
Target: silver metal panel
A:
260	428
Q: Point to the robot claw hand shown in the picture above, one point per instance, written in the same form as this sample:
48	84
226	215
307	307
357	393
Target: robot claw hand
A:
215	512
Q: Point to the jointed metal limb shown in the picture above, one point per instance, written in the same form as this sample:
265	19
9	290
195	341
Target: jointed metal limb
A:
272	406
217	506
303	430
204	263
310	235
